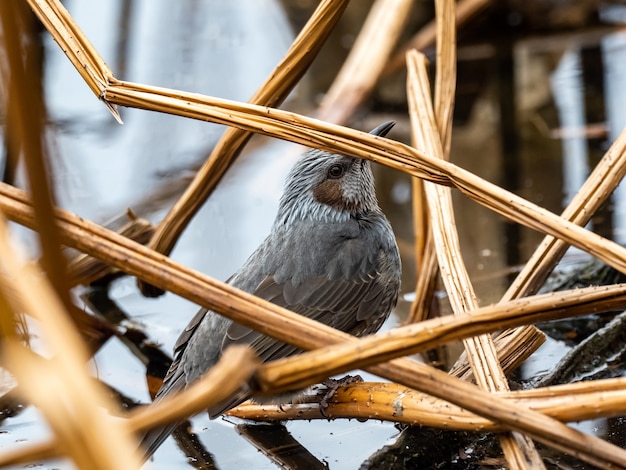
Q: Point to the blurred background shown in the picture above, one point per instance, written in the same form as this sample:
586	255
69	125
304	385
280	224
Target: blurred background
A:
540	98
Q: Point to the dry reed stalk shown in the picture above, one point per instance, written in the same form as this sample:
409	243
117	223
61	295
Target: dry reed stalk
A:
270	319
26	116
368	56
264	316
84	269
140	261
337	139
427	273
235	368
272	93
396	403
519	451
594	192
90	437
465	10
512	347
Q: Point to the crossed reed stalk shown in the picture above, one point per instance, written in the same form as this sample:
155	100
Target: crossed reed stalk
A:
75	406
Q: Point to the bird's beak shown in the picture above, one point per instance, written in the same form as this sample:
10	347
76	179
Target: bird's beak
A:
382	129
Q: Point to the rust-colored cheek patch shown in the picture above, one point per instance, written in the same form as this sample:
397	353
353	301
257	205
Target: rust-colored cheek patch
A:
330	193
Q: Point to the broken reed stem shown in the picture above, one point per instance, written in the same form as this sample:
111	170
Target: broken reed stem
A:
600	184
90	437
272	93
337	139
84	269
392	402
272	320
519	450
366	60
594	192
235	368
512	349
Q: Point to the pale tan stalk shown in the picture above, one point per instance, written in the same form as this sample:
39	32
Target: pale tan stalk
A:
275	321
88	436
307	131
519	450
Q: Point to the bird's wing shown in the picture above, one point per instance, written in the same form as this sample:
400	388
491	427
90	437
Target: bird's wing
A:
348	305
174	380
175	377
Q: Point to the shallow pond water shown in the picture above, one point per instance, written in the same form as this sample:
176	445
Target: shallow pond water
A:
534	114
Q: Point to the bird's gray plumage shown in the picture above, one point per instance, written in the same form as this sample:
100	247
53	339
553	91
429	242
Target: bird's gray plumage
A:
331	256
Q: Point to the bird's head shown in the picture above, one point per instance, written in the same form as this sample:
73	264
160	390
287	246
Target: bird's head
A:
329	187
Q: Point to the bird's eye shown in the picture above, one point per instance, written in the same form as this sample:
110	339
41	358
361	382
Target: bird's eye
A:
336	171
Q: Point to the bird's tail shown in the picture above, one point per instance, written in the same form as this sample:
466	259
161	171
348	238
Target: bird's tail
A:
153	439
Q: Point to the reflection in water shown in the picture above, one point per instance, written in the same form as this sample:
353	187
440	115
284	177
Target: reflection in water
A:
614	54
568	91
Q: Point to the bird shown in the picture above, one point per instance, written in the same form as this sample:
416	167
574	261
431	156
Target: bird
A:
331	256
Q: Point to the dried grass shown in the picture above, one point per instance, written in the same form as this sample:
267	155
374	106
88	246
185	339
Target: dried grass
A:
74	407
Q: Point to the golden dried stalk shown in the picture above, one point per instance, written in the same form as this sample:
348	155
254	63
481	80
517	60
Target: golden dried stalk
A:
519	450
396	403
270	319
337	139
90	437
